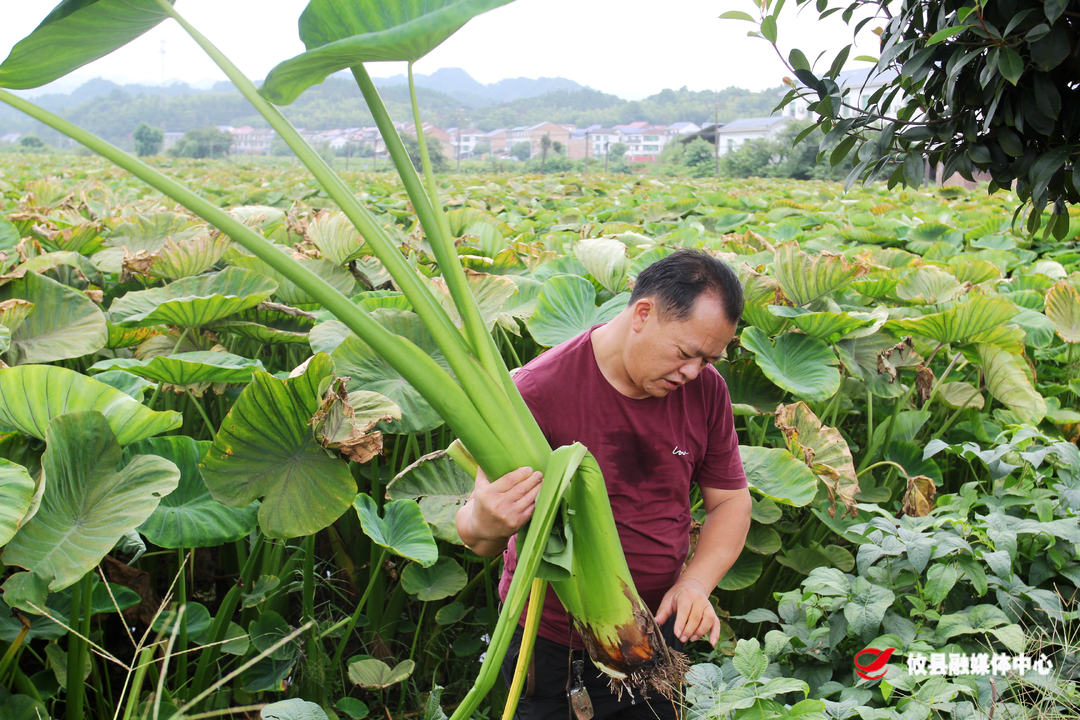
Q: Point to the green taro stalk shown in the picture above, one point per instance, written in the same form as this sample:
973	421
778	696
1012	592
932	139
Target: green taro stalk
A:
482	406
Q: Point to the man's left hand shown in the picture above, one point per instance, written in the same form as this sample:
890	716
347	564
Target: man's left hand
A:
694	615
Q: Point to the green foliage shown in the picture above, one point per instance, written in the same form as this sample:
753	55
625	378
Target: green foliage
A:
439	163
148	139
698	157
31	141
208	142
976	88
521	150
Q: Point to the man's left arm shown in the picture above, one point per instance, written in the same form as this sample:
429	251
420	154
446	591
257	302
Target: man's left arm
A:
727	520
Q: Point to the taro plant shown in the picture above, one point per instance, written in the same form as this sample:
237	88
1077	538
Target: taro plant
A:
263	448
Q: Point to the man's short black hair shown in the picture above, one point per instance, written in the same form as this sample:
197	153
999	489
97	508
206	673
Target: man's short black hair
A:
677	281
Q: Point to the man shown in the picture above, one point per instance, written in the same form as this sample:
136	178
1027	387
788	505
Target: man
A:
641	393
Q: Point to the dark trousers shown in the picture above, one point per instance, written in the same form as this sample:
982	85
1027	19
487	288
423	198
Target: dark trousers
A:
544	695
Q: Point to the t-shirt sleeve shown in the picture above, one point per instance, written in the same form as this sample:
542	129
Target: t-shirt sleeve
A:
722	467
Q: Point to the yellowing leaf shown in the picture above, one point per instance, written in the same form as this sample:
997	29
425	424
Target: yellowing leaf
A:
824	451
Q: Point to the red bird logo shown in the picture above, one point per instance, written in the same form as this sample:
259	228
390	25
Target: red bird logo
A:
879	659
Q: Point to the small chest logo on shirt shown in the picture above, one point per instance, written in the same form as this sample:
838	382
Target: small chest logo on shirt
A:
677	451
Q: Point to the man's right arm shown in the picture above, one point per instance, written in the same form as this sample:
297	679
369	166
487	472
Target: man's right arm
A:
497	510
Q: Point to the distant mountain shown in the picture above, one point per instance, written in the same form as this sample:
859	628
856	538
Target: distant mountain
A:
461	86
98	87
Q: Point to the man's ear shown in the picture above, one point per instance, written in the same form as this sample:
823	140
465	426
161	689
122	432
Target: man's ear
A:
642	312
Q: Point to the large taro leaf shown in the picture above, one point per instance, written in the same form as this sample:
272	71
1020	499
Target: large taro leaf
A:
744	573
957	324
340	34
190	517
67	324
75	33
289	292
188	258
490	292
828	326
194	301
367	369
186	368
760	291
17	491
778	475
958	395
751	392
443	579
90	501
800	364
32	395
606	260
265	448
151	231
401	530
1063	310
1038	330
823	449
1006	380
566	308
336	237
805	278
269	323
929	285
440	486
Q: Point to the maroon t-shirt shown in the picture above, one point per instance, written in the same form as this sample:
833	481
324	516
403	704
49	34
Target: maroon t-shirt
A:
650	450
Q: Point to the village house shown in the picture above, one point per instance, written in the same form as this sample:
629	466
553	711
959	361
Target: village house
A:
251	141
431	131
532	134
497	138
469	138
861	84
735	133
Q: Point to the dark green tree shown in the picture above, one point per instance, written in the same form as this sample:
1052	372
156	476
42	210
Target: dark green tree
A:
521	150
206	142
977	87
617	150
697	157
32	142
148	139
438	159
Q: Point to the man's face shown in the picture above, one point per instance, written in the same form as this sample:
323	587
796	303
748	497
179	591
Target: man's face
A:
665	354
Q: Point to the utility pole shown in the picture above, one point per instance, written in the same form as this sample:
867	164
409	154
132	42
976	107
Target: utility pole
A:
716	133
348	154
607	154
586	152
376	156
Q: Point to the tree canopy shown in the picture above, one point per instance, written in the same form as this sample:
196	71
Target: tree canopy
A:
975	86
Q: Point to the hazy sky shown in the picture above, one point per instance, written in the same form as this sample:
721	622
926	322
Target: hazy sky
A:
630	48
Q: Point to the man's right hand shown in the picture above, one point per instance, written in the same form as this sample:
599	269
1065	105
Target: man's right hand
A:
497	510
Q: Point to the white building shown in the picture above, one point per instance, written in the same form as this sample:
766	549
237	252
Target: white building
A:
861	85
683	128
251	141
735	133
469	138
